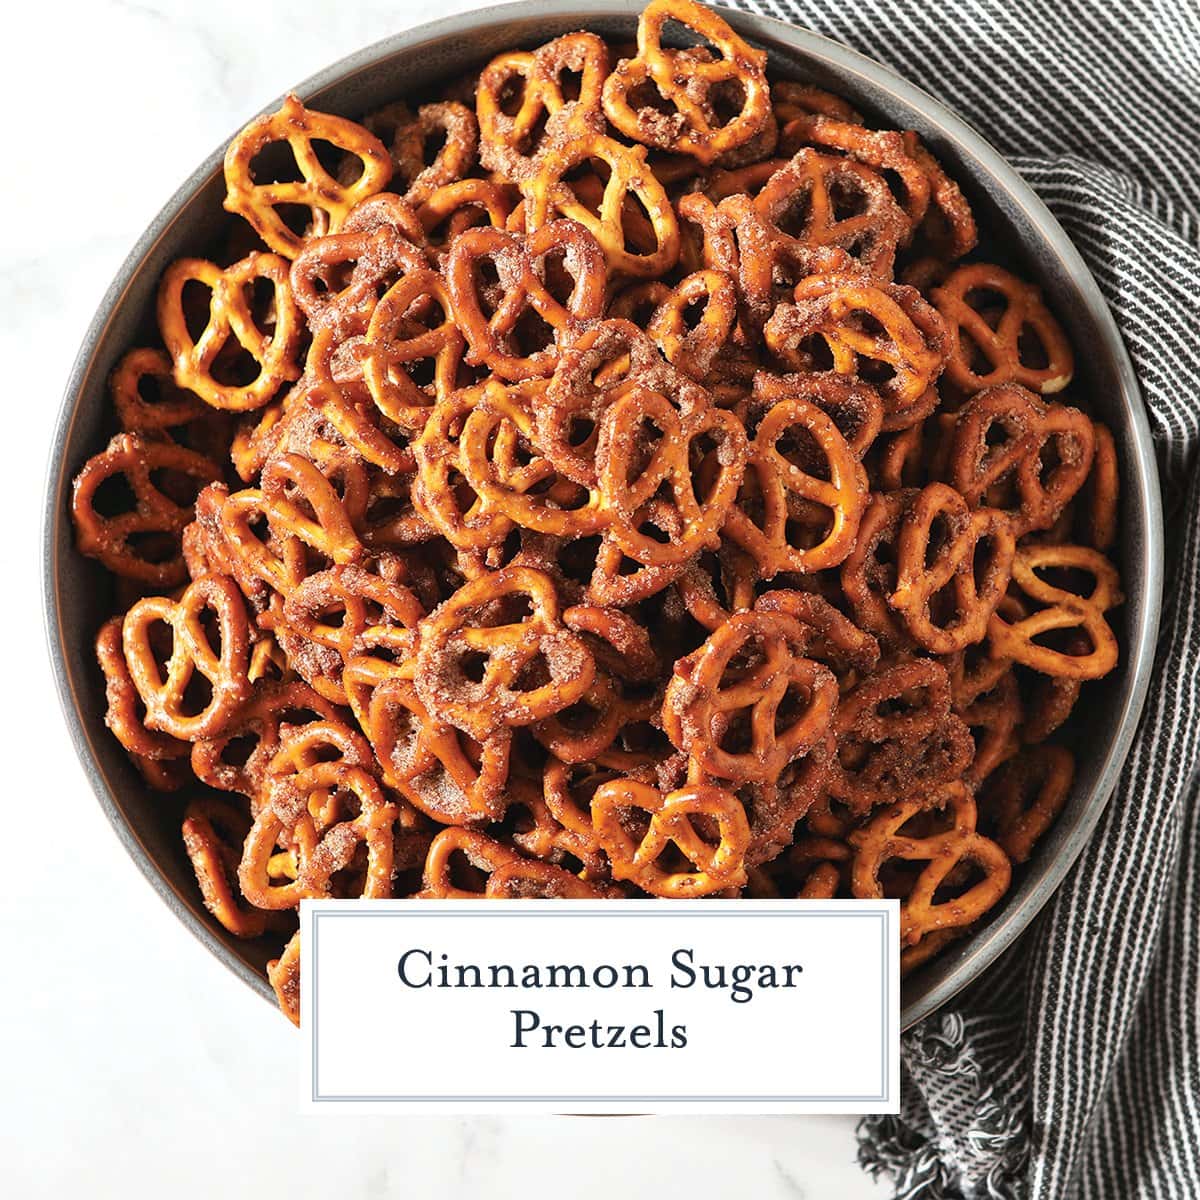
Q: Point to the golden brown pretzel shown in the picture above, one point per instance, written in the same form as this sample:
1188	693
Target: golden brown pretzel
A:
925	568
845	312
144	543
328	201
1064	608
691	82
520	266
548	193
510	142
409	137
748	683
464	636
669	821
778	487
164	690
1012	473
269	336
1001	340
883	840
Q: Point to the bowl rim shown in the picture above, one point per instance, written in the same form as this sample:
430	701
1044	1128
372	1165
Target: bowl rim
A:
984	947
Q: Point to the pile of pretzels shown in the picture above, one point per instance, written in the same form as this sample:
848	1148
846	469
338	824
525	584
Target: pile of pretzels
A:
613	477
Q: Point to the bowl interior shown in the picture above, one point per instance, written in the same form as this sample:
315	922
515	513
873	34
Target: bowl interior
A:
80	594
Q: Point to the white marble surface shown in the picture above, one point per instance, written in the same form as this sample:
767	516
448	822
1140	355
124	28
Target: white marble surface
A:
132	1063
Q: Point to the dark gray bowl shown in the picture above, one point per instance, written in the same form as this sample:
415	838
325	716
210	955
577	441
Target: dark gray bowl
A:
77	594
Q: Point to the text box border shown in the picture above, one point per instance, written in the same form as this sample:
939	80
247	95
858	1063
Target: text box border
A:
887	917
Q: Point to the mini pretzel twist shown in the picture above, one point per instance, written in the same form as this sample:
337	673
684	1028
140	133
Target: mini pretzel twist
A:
144	542
168	706
691	82
322	851
157	413
499	459
512	143
408	138
896	735
695	350
835	202
401	334
213	833
827	479
882	840
270	336
337	280
520	266
1012	474
702	485
1063	609
509	692
636	846
1001	337
547	192
328	201
835	307
926	568
748	684
1021	801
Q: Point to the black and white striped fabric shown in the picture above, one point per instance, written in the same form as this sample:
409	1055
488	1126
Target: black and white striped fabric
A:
1073	1068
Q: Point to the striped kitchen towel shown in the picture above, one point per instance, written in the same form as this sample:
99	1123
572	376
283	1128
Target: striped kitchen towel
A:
1073	1068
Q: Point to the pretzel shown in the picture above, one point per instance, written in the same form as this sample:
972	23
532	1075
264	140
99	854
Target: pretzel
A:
869	573
636	854
777	485
283	973
925	568
812	194
511	143
261	720
165	408
462	628
1000	340
213	832
143	543
192	653
1063	609
270	337
407	138
695	350
691	83
520	265
1012	474
337	280
883	840
832	307
883	150
855	407
125	712
747	722
920	744
1022	800
457	207
486	858
702	504
599	366
328	201
948	227
322	851
398	337
546	193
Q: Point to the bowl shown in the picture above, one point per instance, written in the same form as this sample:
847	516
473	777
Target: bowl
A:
77	591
